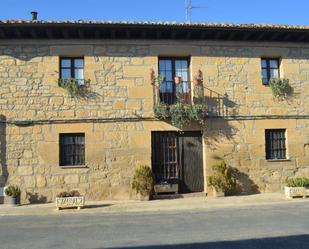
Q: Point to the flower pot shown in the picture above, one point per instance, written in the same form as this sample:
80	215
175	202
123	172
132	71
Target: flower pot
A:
197	81
68	202
177	80
143	197
217	193
166	188
291	192
13	201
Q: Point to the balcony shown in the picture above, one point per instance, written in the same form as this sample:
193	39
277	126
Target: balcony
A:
201	101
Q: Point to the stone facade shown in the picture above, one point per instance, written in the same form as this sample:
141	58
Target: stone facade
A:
118	72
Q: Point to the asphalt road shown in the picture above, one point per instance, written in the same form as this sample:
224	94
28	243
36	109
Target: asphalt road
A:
268	227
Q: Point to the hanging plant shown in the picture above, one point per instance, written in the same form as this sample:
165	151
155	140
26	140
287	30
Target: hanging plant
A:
73	86
161	110
197	113
180	114
198	78
281	88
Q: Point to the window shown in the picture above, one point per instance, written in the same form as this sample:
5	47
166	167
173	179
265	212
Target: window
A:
270	69
72	149
275	144
169	91
72	68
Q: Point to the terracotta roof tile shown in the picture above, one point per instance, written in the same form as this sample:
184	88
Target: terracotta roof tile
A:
161	23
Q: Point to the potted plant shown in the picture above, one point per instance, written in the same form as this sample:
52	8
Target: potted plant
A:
281	88
70	199
198	78
13	192
73	86
143	182
177	80
221	180
297	187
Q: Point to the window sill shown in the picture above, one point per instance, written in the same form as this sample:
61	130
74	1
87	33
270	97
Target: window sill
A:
74	167
278	160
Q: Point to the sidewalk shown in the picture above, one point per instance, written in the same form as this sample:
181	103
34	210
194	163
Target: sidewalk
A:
181	204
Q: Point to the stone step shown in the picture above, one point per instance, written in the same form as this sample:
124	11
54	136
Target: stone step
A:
178	196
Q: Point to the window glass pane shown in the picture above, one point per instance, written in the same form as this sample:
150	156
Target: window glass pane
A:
78	73
263	63
168	65
166	87
181	69
65	73
161	65
65	63
168	76
273	63
274	73
79	63
264	73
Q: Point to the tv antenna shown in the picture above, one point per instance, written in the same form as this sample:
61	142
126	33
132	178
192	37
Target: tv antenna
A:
189	7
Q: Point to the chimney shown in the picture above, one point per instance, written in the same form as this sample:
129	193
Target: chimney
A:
34	15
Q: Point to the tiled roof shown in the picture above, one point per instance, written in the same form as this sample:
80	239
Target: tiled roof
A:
159	23
84	29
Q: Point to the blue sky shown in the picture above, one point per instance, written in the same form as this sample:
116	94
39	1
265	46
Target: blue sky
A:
231	11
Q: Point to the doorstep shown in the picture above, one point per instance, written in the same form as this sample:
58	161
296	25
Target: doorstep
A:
178	196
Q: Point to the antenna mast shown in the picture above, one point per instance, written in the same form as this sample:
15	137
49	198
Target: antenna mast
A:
189	7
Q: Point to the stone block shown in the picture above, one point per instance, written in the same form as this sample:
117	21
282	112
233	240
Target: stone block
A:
29	181
71	179
40	181
25	170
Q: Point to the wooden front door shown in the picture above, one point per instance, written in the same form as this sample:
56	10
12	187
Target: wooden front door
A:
178	158
191	162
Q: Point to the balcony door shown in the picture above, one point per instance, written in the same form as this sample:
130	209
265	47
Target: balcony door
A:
169	91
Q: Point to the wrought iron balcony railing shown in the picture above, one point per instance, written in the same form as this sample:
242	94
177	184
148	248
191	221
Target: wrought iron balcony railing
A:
212	102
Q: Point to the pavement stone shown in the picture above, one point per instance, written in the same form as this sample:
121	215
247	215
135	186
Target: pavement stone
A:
190	203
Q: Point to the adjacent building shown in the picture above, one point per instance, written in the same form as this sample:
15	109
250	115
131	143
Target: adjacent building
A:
54	140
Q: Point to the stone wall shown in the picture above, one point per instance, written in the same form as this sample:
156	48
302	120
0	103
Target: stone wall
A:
120	88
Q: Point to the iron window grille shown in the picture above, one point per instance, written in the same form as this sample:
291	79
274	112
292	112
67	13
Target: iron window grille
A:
72	68
72	149
275	144
270	69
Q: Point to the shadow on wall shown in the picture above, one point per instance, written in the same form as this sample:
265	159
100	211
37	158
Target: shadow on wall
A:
218	131
284	242
36	198
244	185
3	170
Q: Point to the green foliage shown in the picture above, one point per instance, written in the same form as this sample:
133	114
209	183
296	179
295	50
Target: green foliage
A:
73	193
198	92
161	110
197	113
180	114
72	86
222	178
143	180
13	191
298	182
280	87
